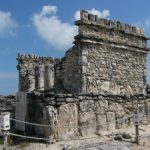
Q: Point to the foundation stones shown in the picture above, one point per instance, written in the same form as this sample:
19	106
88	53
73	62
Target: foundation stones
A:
111	124
67	121
87	123
50	117
84	115
101	123
86	105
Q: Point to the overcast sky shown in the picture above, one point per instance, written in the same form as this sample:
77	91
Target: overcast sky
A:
46	27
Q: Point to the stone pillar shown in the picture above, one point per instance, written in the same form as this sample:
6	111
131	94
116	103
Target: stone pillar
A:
50	117
31	83
39	76
111	124
67	121
21	87
22	79
49	76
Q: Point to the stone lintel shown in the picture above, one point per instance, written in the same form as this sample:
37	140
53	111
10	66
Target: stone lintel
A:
100	41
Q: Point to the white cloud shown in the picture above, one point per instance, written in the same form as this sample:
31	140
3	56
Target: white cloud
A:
7	24
104	14
48	10
8	75
50	28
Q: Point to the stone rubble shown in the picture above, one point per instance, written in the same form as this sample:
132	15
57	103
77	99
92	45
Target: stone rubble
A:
7	104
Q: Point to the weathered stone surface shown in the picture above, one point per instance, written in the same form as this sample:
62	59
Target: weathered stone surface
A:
112	68
7	104
49	76
87	123
39	73
89	117
119	114
101	107
110	87
50	118
128	90
35	73
111	124
86	105
117	108
31	84
101	123
67	121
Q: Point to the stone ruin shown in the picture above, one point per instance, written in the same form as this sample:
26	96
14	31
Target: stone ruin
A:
107	57
100	79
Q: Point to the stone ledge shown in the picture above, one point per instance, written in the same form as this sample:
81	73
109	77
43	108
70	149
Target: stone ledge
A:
59	99
101	41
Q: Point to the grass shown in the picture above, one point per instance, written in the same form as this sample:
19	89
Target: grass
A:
1	140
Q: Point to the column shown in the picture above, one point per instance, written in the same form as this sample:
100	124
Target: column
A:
39	76
49	76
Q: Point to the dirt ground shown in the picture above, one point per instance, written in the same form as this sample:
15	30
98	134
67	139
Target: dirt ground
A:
106	142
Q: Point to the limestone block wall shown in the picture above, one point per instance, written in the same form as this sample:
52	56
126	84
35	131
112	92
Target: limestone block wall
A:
109	57
113	56
68	73
113	71
71	116
35	73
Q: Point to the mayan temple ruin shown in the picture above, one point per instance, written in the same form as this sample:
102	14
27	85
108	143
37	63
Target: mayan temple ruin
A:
107	57
99	80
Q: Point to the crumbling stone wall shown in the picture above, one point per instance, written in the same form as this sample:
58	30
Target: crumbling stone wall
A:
69	72
35	73
112	57
108	57
71	116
